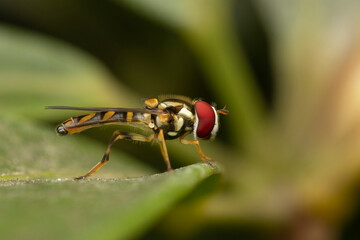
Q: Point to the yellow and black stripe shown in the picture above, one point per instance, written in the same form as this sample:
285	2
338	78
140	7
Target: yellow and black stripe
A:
82	122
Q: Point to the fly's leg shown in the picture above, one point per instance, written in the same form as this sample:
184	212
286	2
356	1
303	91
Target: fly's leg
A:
196	143
164	152
117	135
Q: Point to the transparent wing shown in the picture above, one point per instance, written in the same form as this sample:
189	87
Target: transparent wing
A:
105	109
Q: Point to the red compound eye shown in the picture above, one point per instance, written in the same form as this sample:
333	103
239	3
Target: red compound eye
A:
206	119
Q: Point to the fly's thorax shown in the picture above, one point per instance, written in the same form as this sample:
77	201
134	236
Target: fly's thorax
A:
176	121
171	103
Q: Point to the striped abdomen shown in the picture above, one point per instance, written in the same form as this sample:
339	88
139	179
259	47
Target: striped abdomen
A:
83	122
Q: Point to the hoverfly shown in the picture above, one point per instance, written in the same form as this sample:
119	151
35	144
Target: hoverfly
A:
166	117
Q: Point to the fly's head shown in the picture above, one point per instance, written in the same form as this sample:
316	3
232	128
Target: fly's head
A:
206	123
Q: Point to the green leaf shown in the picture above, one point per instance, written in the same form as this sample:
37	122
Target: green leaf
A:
91	209
36	203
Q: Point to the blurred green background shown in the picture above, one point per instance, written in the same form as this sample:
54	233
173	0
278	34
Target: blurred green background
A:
288	152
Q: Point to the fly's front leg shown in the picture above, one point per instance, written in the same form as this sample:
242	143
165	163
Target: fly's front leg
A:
117	135
164	152
196	143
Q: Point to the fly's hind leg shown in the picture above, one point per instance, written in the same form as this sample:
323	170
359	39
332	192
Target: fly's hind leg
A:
117	135
196	143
